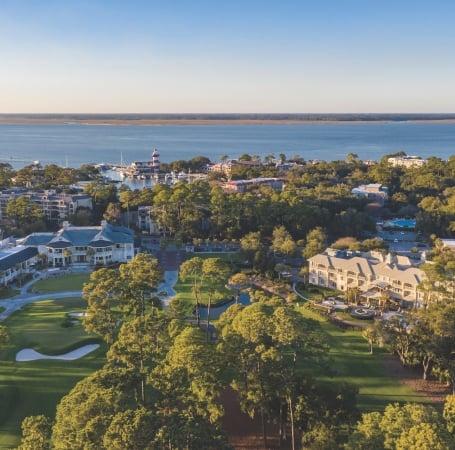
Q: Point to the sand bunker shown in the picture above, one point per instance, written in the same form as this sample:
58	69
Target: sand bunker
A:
28	354
77	314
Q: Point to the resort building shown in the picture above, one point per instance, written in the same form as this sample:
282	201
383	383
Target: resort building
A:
243	185
374	191
56	207
15	262
99	245
372	273
406	161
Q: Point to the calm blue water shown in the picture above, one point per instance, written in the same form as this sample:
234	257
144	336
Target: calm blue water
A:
215	313
74	145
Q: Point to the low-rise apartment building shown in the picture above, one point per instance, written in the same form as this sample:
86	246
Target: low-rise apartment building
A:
56	207
146	221
372	273
228	165
406	161
243	185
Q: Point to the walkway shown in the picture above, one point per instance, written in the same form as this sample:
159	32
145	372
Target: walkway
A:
11	305
15	303
170	279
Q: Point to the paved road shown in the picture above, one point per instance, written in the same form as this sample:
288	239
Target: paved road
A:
11	305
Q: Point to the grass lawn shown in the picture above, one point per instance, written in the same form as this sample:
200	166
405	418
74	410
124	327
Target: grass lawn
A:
230	258
316	293
35	387
185	293
352	363
346	316
71	282
8	292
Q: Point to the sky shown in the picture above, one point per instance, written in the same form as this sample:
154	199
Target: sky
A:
249	56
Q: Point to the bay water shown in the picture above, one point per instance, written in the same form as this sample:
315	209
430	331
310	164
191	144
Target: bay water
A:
73	144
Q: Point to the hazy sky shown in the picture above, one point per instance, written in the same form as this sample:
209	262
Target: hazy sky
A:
227	56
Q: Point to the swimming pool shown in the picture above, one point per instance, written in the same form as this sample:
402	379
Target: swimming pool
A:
401	223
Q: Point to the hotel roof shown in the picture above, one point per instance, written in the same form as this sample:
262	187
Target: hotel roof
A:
16	255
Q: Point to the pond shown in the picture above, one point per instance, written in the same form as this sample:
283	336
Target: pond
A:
215	312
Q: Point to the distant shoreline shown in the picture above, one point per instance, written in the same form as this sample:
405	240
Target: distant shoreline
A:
9	120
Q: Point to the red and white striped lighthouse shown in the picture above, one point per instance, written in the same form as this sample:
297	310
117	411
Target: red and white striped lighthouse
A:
156	162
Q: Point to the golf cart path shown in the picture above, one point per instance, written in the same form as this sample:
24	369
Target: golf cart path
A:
13	304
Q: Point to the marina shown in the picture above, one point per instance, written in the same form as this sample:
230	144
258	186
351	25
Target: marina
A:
144	177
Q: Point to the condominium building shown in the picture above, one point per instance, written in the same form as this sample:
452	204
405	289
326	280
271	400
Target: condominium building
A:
242	185
371	272
56	207
229	164
146	222
406	161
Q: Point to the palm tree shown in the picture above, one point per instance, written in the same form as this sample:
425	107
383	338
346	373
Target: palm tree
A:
67	253
352	295
90	253
42	259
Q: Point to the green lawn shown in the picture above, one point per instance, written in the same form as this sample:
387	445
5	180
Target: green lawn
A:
35	387
8	292
316	293
352	363
28	388
185	293
71	282
346	316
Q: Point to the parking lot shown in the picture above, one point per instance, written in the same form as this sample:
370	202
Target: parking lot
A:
402	242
